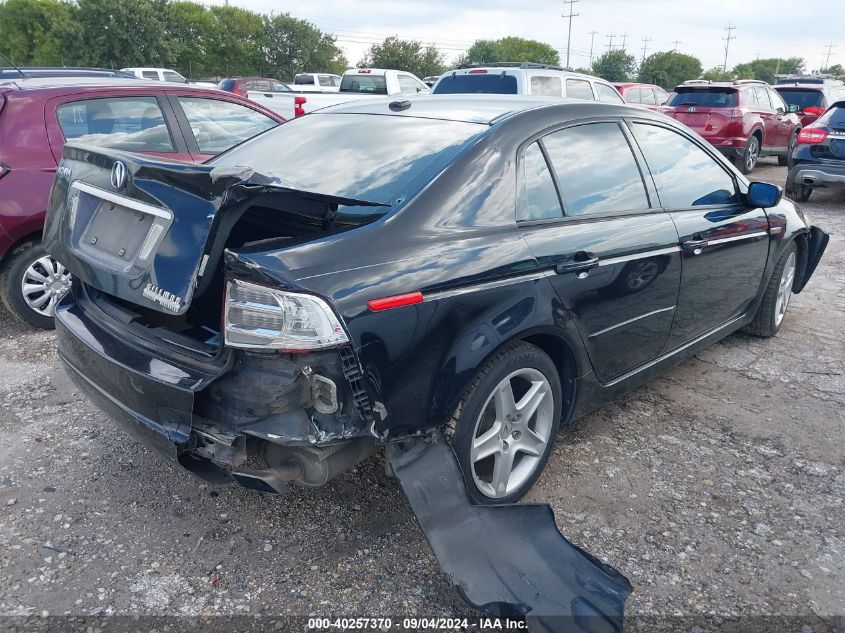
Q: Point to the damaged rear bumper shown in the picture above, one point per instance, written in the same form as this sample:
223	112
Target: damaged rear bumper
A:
211	414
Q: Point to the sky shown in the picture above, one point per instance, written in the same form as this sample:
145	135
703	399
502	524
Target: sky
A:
764	28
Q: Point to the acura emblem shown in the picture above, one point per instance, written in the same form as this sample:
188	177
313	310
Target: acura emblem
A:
691	109
118	175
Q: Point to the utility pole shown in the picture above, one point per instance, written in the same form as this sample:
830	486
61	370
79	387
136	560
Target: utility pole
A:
830	47
592	37
610	44
728	39
646	40
624	39
676	42
570	15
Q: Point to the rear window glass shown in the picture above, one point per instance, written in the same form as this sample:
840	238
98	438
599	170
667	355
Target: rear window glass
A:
226	84
135	124
834	117
304	80
384	159
803	98
497	84
367	84
704	97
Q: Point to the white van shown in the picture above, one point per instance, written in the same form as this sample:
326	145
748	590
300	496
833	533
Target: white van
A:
525	79
156	74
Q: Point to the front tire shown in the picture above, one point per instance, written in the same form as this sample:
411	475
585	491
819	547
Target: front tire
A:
785	161
772	311
32	283
506	423
748	160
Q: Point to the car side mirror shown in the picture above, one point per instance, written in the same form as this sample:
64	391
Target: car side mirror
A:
764	195
794	108
780	110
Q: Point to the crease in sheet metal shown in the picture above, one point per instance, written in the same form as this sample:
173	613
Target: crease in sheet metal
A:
507	560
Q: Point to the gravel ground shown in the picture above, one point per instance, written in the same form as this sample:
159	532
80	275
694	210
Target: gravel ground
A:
717	489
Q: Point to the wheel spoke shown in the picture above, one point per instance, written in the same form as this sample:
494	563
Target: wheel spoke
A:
501	472
48	265
532	399
60	270
531	443
50	309
40	301
505	402
33	274
487	444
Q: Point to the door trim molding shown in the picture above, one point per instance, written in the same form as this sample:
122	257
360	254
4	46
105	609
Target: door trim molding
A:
627	322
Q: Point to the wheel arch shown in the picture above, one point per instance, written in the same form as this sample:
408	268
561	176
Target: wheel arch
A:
29	237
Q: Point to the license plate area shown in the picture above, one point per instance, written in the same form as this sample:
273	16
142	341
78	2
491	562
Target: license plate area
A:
116	232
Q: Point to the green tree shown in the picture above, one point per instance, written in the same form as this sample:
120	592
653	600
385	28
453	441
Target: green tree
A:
34	32
119	33
293	46
717	74
836	70
668	69
510	49
407	55
615	65
188	25
235	42
766	69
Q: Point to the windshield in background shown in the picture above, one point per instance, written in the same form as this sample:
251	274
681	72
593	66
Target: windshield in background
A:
226	84
383	159
704	97
802	98
497	84
366	84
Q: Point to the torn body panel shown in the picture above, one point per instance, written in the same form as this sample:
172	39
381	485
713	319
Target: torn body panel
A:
507	560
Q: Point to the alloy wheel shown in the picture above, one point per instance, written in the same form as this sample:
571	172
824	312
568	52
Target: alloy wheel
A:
511	433
43	285
787	277
752	153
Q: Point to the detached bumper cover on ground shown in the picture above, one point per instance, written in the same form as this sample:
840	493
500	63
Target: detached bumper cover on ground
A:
507	560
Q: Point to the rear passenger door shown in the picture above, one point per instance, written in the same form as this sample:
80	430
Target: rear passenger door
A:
723	242
585	211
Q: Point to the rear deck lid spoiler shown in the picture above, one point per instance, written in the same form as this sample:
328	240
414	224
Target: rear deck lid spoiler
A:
143	229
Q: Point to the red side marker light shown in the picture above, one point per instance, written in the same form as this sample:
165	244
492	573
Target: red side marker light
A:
477	71
364	71
395	301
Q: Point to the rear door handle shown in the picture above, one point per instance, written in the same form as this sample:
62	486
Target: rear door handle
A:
581	262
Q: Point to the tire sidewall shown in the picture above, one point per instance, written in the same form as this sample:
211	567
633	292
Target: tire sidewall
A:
10	285
744	166
515	358
774	283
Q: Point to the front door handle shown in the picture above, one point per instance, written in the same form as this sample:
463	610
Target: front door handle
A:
694	245
581	263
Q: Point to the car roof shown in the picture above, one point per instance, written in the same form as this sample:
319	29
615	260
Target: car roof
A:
38	83
473	108
513	68
800	86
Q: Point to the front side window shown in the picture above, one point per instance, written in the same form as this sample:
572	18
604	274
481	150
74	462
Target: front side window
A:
218	125
325	80
170	75
685	175
607	94
537	196
661	96
409	86
545	86
579	89
278	86
596	170
134	124
633	95
763	98
777	101
647	96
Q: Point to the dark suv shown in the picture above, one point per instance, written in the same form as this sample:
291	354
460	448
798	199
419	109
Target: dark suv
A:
819	157
37	116
745	119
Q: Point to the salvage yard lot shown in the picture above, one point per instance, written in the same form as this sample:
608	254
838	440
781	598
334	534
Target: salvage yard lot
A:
717	489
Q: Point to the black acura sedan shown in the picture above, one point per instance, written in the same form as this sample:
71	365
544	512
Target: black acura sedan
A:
490	267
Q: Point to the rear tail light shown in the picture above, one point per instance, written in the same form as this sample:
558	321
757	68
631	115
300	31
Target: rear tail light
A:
240	92
257	317
364	71
4	169
298	102
811	136
814	111
736	113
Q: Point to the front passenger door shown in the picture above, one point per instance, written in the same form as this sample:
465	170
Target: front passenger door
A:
724	244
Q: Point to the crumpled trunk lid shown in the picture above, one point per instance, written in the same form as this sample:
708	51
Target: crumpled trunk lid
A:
147	230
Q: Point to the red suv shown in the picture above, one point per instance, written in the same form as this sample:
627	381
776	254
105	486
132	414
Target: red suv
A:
646	95
744	119
37	116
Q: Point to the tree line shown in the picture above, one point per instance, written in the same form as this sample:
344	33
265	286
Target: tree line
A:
218	41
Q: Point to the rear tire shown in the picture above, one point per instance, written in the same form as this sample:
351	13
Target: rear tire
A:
772	311
506	423
748	160
27	270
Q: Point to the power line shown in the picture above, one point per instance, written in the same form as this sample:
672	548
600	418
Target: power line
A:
728	39
592	36
571	15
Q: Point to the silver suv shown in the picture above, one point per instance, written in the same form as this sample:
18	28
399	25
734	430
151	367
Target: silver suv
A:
525	79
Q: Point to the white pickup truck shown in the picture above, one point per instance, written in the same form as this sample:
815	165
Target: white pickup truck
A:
315	82
356	83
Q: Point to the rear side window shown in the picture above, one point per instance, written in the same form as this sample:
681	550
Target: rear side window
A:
538	198
705	97
661	96
149	74
579	89
218	125
596	170
135	124
607	94
325	80
365	84
498	83
278	86
685	175
546	86
763	101
647	96
633	95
